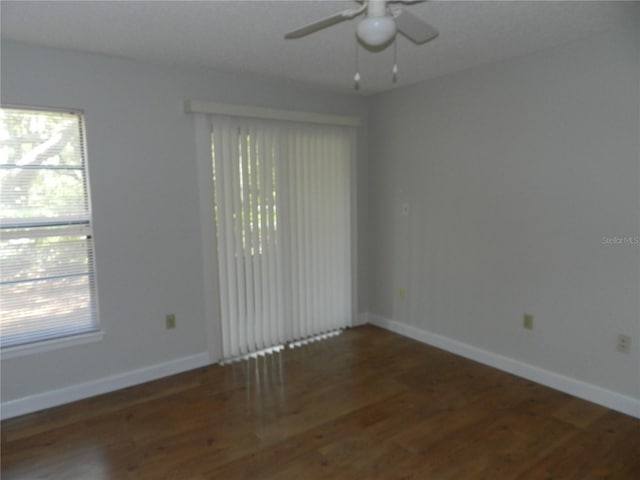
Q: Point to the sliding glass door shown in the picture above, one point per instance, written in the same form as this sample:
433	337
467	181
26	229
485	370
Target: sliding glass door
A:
282	209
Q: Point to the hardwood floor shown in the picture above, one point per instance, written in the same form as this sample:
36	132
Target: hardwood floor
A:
365	404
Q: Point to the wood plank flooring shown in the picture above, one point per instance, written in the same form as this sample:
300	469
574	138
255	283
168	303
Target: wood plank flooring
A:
366	404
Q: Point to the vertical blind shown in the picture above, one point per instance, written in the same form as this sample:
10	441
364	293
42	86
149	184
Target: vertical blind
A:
47	282
282	206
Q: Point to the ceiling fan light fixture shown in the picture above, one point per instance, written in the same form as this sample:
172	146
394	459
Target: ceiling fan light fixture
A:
376	31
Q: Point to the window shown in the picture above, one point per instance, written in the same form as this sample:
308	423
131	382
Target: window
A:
47	277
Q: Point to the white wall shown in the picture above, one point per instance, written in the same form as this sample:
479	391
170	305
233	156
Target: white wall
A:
514	172
142	159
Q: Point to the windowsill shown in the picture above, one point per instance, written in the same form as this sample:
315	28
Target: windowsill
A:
48	345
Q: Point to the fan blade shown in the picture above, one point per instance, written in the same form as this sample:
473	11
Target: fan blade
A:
413	27
319	25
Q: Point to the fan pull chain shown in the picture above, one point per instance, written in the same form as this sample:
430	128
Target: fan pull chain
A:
356	77
394	71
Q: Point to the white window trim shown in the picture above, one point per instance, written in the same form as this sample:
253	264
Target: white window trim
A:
49	345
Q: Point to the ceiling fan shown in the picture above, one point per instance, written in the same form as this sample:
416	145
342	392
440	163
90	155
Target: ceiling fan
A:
380	26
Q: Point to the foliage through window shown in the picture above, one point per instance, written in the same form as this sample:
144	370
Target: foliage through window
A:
47	277
256	214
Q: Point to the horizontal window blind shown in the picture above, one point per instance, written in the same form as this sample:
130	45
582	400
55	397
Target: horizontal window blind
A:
283	218
47	277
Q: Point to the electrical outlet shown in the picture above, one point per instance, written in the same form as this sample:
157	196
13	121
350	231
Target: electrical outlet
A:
402	294
170	321
527	321
624	343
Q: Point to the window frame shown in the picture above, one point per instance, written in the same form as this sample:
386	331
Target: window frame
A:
96	334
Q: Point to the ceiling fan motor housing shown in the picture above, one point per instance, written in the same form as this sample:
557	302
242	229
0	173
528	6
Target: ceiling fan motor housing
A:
378	28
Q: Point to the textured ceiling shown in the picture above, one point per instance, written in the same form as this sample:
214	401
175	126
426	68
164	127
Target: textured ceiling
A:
247	36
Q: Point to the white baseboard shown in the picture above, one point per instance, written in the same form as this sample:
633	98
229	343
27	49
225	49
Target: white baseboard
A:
578	388
608	398
361	319
33	403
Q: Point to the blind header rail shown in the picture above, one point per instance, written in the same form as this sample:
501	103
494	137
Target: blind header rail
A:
43	109
202	106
